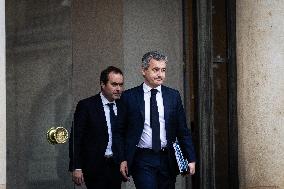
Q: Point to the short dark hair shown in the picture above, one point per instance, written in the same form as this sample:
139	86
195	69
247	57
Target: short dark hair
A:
156	55
107	71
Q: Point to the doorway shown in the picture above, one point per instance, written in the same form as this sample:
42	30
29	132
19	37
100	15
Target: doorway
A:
40	77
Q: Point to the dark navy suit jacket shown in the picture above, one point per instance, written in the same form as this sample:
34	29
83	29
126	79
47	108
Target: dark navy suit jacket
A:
130	124
89	136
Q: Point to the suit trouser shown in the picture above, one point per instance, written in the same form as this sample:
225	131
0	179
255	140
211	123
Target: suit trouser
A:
109	177
151	170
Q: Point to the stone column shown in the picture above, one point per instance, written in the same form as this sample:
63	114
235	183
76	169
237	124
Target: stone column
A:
153	25
2	98
260	62
97	43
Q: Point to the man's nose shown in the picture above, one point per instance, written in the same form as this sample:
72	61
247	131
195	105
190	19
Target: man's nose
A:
118	88
159	73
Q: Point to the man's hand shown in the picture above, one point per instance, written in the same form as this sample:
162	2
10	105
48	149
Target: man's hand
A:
77	177
124	170
191	168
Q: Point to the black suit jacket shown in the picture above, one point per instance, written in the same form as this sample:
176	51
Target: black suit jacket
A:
130	124
89	136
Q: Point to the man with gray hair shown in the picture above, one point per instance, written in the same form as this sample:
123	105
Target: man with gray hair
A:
152	117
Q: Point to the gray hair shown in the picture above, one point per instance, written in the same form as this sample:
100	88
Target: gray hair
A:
152	55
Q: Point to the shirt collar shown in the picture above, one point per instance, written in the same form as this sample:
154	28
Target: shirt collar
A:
147	89
104	100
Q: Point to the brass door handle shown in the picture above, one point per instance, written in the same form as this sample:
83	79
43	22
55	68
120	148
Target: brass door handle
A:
58	135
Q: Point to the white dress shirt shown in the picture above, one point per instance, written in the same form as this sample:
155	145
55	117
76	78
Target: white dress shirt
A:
146	137
108	151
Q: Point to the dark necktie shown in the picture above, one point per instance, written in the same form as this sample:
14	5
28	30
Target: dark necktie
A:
112	116
154	121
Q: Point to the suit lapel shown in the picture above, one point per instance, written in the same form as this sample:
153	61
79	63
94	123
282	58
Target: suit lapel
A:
101	111
166	103
140	100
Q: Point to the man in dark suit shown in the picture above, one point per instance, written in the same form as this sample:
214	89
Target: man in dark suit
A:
150	120
90	148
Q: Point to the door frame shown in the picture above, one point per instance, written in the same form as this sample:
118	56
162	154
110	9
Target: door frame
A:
204	104
232	95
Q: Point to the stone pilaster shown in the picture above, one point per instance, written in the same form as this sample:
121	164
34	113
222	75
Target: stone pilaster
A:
2	98
260	65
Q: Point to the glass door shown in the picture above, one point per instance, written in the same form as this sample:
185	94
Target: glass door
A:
39	93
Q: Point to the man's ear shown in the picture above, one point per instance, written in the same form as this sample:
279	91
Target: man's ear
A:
143	71
102	85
